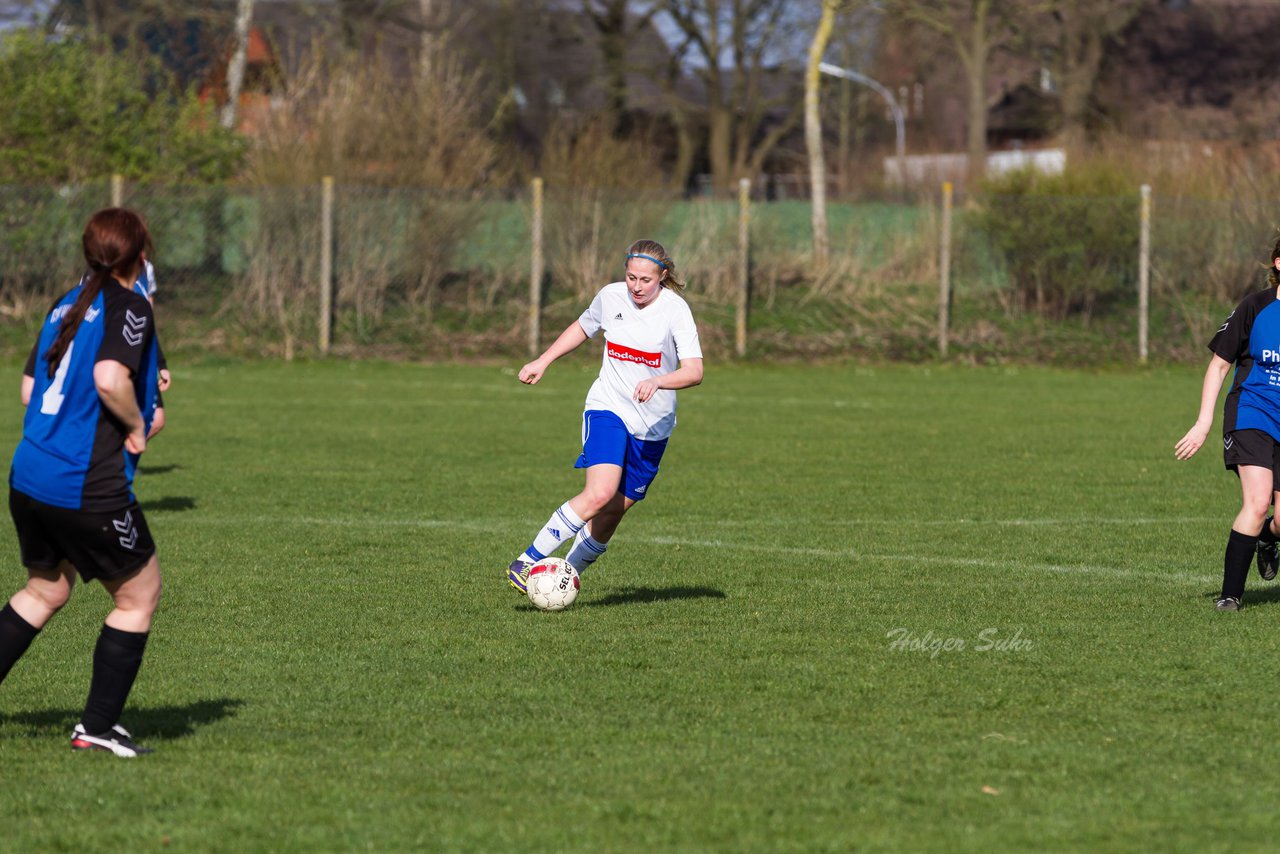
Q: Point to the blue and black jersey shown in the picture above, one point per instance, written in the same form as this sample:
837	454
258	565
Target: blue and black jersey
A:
72	450
1250	338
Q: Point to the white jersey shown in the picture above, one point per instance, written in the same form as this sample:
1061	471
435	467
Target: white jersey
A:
150	278
639	344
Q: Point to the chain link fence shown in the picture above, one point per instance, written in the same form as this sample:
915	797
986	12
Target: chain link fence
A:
428	274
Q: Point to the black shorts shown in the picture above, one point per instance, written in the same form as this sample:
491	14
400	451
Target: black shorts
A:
1252	448
98	545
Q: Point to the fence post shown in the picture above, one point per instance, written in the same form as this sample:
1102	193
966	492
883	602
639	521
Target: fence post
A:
117	190
744	266
536	272
944	273
326	262
1144	274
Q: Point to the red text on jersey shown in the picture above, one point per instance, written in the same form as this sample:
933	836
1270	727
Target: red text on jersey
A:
626	354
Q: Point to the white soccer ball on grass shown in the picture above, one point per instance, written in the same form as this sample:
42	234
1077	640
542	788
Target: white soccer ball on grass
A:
553	584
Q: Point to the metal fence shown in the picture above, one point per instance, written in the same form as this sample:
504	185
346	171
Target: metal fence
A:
353	269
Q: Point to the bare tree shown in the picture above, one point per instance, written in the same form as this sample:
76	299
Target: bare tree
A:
813	134
360	20
435	18
1080	32
733	45
235	72
975	30
616	24
128	21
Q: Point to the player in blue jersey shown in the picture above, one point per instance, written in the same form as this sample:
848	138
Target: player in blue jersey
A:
89	386
145	285
1249	339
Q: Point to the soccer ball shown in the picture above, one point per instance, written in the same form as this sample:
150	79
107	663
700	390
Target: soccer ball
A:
552	584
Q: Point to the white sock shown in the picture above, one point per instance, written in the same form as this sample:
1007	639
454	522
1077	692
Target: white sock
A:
585	551
563	525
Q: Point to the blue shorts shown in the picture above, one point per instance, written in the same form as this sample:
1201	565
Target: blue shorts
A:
605	439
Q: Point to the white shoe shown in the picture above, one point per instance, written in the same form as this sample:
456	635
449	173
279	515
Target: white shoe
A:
117	740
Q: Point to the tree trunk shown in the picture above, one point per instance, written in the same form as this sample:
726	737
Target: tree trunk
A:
720	143
685	150
433	14
813	138
976	71
235	71
1082	57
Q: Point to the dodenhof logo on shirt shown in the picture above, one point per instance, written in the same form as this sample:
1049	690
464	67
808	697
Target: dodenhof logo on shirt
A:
627	354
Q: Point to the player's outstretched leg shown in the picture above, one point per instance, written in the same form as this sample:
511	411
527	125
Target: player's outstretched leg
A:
22	618
585	550
1256	495
16	635
594	538
563	525
116	661
1235	567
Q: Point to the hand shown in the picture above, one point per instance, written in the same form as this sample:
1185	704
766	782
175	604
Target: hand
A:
1190	443
532	372
644	390
157	422
166	379
135	442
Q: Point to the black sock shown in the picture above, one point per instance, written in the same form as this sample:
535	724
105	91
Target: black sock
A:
1235	564
16	634
116	660
1267	536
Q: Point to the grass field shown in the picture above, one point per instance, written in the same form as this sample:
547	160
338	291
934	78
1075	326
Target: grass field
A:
338	664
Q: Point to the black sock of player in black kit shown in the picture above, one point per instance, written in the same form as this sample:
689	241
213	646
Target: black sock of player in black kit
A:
1267	536
16	634
116	660
1235	564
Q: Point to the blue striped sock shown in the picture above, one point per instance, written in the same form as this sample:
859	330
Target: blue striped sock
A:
563	526
586	550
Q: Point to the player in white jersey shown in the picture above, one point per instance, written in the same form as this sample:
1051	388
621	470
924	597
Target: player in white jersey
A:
651	349
146	286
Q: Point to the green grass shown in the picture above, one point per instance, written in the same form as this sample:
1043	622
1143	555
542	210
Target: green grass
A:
337	663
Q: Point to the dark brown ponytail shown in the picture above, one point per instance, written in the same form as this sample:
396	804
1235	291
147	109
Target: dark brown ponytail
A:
1273	275
114	240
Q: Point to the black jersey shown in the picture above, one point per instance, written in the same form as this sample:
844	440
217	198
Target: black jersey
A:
1250	338
72	450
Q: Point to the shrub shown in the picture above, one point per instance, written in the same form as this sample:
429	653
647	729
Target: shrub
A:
1069	242
76	112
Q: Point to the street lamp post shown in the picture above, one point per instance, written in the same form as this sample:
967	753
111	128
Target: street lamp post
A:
900	148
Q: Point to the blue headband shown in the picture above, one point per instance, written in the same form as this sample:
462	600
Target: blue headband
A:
647	258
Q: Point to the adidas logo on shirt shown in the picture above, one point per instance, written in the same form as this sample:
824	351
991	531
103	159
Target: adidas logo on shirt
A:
618	316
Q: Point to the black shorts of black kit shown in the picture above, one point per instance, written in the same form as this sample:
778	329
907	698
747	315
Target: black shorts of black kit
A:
1252	448
105	546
